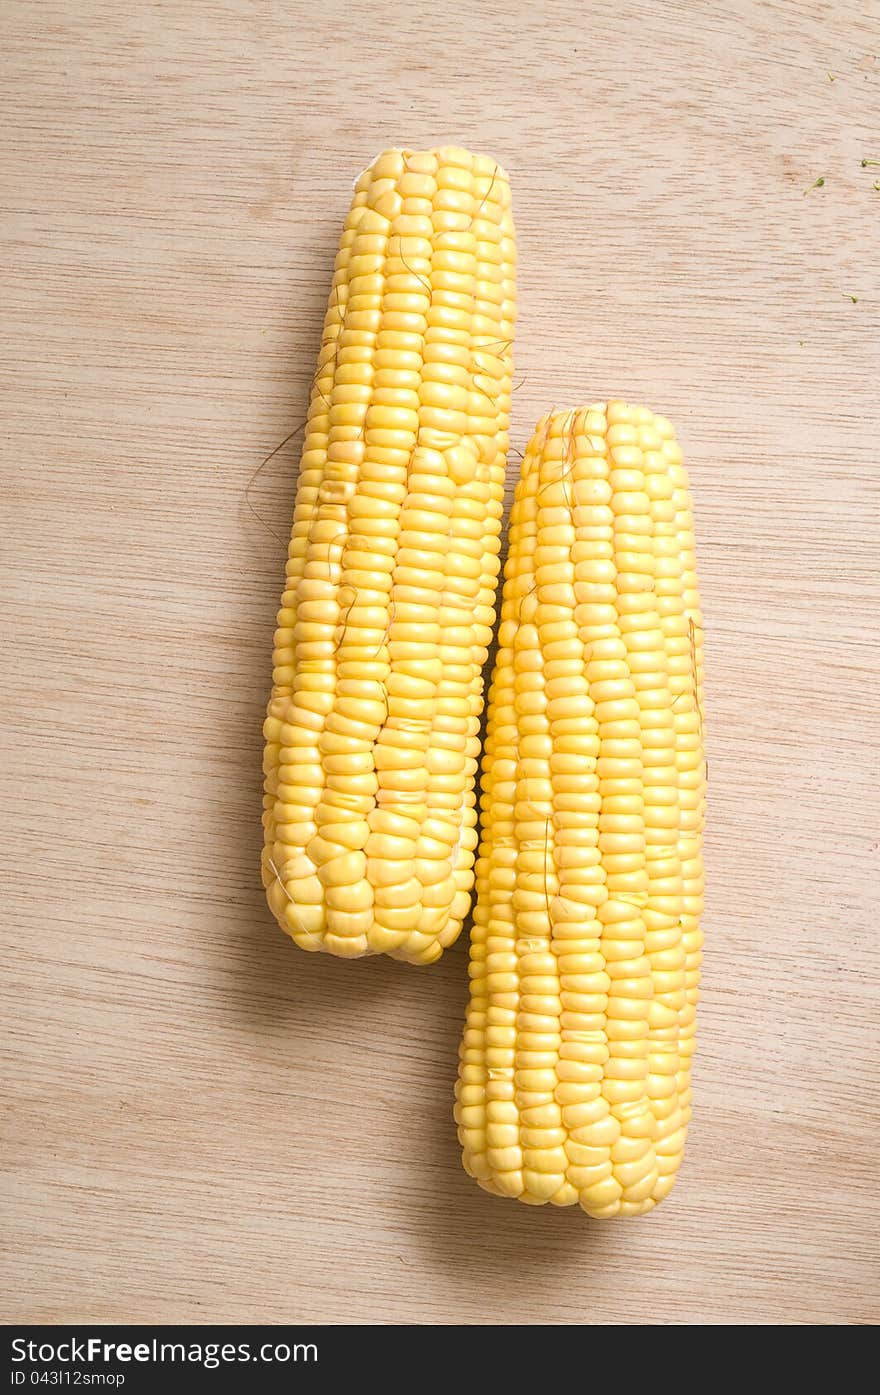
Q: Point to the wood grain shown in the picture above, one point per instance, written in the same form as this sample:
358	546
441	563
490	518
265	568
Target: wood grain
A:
203	1123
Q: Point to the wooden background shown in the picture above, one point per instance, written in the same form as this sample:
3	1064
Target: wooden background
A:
204	1123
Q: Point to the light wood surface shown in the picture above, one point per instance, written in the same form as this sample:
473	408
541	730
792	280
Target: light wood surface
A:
202	1122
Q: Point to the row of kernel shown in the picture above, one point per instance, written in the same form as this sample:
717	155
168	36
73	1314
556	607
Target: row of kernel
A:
508	1051
413	631
356	483
593	1127
543	834
646	662
471	1085
538	1012
646	659
503	1151
299	643
663	913
469	585
570	498
574	729
446	840
423	901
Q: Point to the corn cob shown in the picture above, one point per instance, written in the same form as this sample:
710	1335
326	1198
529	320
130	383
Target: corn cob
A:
574	1080
384	626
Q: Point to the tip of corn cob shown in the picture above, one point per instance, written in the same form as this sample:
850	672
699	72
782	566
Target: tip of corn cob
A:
396	160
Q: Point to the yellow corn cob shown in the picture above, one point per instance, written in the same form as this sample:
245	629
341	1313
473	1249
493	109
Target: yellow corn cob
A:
372	728
574	1082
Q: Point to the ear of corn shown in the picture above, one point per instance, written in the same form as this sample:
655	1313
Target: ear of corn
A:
388	608
574	1082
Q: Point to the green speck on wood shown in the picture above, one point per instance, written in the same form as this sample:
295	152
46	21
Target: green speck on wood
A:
866	163
853	298
818	184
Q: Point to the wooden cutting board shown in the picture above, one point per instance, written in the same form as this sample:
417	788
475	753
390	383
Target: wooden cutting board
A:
202	1122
